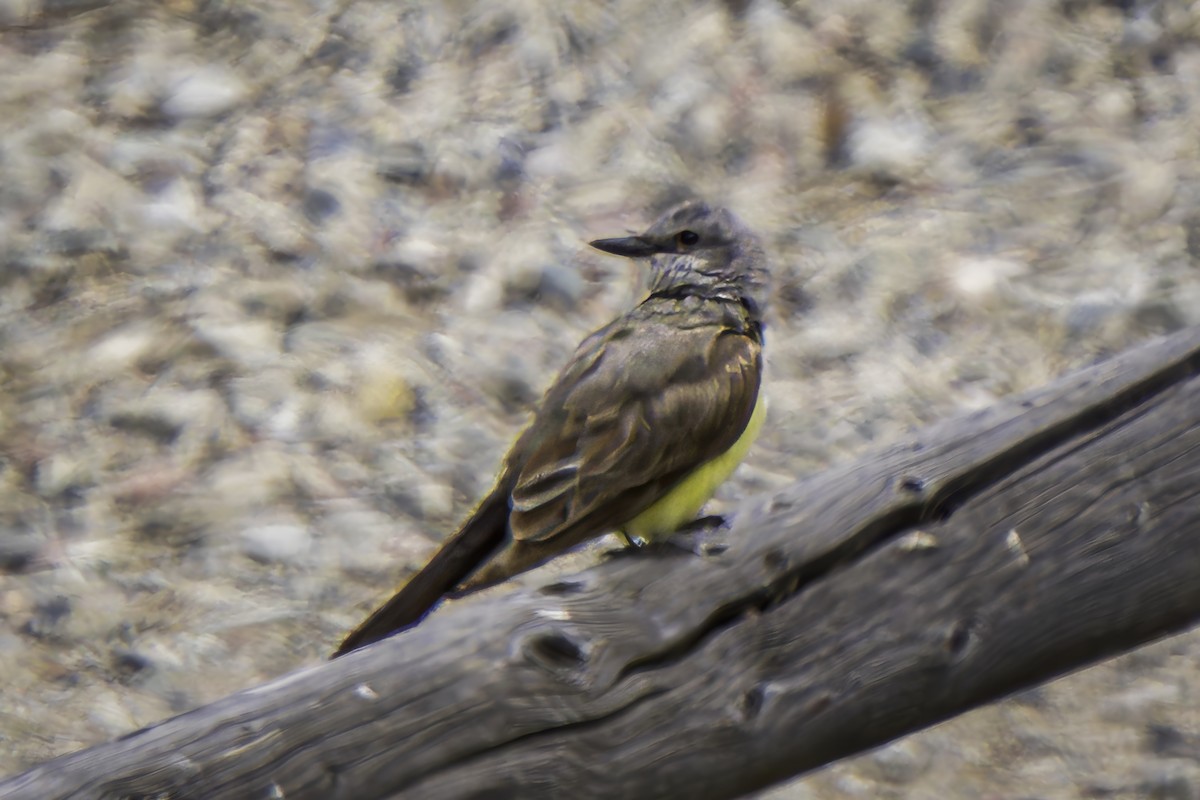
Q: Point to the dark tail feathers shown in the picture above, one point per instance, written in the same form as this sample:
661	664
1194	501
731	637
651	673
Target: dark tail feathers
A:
459	556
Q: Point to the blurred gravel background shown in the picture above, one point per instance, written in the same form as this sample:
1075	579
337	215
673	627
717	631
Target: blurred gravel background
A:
280	279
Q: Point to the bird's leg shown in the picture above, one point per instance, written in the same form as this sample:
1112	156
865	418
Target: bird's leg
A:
630	541
631	545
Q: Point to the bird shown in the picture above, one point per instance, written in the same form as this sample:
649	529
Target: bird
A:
651	414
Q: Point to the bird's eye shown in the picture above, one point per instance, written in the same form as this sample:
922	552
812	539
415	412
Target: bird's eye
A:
687	238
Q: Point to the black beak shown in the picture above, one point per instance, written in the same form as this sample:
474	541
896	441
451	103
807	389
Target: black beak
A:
628	246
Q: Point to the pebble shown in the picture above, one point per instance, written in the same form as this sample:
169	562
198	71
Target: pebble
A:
900	762
976	279
205	91
277	543
1134	706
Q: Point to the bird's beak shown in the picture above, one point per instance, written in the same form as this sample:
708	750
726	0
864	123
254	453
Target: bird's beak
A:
628	246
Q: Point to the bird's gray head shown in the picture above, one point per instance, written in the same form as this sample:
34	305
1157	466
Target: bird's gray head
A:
697	248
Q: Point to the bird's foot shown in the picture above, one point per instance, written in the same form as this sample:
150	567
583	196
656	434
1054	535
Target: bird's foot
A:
630	541
630	546
691	538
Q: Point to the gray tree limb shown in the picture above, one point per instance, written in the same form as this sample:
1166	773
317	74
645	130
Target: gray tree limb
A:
984	555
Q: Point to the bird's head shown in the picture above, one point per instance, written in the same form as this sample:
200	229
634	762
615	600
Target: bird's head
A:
703	248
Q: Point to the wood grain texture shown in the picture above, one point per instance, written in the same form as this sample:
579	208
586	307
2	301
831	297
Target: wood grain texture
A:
979	557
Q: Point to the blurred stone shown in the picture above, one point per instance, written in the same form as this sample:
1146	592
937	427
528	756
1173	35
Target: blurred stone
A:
268	399
319	204
1135	705
130	665
164	413
205	91
283	301
48	616
1088	312
127	347
1167	740
277	543
1147	188
61	473
249	343
19	551
405	71
279	228
175	207
891	149
158	423
1161	315
406	163
385	394
19	12
1192	233
1170	780
900	762
977	278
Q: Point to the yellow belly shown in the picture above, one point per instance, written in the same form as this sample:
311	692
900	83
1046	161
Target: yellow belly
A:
681	505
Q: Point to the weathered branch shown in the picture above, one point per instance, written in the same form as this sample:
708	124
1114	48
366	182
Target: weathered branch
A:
984	555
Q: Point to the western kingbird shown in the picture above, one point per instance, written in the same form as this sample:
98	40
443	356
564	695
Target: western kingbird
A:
652	413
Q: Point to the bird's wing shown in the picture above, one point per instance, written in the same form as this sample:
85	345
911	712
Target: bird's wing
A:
632	417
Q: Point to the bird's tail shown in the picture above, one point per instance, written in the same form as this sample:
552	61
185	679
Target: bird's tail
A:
460	556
